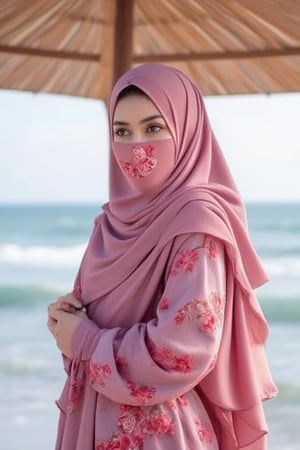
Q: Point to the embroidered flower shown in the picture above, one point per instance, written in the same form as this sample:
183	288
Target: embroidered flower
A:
136	422
141	393
121	363
74	394
164	304
99	373
151	420
127	422
184	313
167	358
158	422
205	432
209	314
181	400
185	261
217	301
119	442
143	162
148	420
208	321
211	248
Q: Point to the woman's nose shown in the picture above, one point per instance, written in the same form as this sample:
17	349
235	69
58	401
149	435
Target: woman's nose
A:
138	137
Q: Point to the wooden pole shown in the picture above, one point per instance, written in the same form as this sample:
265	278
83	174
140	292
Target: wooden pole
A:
123	42
106	62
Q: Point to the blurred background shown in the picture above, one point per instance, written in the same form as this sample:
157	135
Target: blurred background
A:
58	60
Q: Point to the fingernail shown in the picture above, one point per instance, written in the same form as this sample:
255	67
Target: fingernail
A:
79	308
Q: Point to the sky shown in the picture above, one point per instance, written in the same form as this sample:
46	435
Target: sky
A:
54	149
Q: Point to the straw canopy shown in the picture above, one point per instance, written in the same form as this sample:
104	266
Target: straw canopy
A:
79	47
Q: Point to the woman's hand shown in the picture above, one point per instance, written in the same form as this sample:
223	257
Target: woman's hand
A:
63	317
67	303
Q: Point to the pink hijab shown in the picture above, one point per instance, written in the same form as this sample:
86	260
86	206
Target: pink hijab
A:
198	196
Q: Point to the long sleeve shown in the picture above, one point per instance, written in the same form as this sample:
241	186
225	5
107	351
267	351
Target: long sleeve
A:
149	363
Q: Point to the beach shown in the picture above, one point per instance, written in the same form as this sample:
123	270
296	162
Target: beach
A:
40	250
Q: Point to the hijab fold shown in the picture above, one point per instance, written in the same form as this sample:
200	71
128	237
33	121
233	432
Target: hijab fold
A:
199	196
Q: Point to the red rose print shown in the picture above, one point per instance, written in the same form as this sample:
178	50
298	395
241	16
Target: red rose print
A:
121	363
141	393
167	358
136	422
74	394
164	304
211	248
185	261
208	313
99	373
143	162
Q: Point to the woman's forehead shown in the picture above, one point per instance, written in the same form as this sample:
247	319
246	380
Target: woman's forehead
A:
135	106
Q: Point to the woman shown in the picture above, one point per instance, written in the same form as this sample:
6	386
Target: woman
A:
163	338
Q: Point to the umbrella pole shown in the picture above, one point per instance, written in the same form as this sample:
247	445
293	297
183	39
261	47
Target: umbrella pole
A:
123	34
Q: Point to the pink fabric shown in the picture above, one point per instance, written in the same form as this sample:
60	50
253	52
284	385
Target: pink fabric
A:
121	275
139	379
141	160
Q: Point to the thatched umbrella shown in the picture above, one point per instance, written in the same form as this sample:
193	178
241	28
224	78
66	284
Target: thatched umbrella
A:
79	47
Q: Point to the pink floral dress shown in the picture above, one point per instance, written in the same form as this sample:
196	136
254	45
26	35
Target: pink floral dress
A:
135	385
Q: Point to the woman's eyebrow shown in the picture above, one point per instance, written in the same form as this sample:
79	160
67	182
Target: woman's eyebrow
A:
120	122
148	119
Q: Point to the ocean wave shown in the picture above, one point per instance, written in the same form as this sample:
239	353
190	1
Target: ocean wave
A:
25	367
285	309
70	256
64	256
29	296
277	227
290	392
282	266
281	309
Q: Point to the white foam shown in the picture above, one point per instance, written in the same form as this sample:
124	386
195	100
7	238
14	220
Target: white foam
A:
14	254
284	266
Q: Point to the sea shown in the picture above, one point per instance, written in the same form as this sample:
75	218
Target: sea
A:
40	249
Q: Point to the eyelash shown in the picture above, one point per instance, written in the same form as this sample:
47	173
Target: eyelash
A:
155	125
120	131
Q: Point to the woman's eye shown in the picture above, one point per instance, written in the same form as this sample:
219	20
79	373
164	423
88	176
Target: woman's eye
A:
121	132
154	128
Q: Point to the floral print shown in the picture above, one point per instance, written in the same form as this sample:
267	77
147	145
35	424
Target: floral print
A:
181	401
99	373
143	162
170	355
135	423
74	394
185	261
211	246
167	358
208	314
141	393
205	432
121	362
164	304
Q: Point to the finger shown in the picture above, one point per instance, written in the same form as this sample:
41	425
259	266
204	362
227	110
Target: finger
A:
70	300
55	305
51	324
81	312
52	308
58	314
